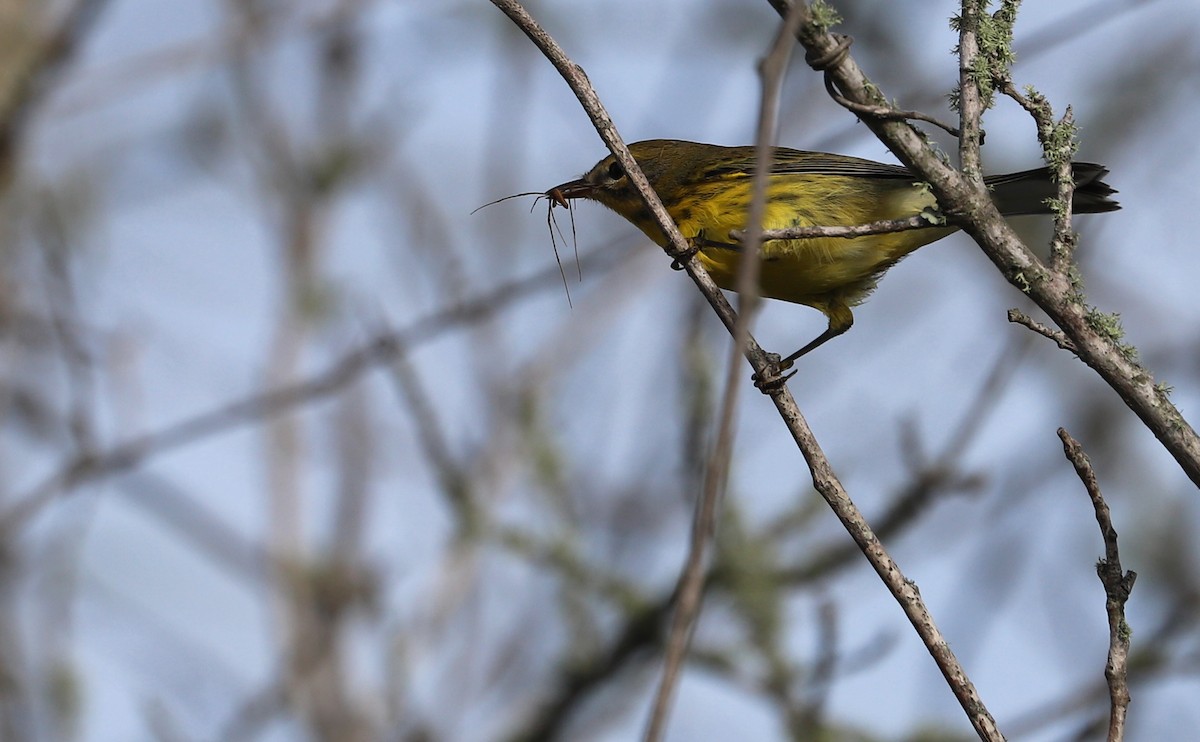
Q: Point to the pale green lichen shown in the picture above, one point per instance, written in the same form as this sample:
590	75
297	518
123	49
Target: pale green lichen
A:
1108	325
824	17
989	69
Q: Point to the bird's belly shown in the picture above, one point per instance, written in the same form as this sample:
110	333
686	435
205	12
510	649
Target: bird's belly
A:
810	271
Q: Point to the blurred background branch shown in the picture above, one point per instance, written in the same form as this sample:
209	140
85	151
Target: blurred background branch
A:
295	448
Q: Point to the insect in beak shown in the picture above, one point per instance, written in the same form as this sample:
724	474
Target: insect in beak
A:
561	195
557	196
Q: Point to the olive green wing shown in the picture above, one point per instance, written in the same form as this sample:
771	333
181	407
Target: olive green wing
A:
739	162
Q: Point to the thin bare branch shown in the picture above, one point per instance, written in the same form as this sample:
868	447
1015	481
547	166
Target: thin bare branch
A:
825	479
884	226
1118	584
887	112
690	589
1018	317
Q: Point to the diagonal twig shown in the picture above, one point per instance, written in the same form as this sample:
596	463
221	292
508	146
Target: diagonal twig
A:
1118	584
690	589
825	480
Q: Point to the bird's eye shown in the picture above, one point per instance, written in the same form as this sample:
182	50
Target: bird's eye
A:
615	171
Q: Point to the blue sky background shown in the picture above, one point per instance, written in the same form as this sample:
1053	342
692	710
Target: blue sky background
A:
157	155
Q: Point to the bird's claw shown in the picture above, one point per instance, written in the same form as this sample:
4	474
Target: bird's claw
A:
773	377
679	261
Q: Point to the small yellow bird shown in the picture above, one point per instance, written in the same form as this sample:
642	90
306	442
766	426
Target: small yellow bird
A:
707	190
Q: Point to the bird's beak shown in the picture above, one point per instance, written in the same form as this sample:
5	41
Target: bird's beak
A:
561	194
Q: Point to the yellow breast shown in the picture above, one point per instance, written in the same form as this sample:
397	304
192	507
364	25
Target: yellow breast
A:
812	271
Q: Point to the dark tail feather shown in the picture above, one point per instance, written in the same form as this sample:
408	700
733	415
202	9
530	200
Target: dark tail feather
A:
1026	192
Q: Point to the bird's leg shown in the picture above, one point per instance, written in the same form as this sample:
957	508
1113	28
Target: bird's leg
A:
830	333
840	320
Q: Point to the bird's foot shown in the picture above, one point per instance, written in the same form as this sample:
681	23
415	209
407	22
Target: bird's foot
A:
773	377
